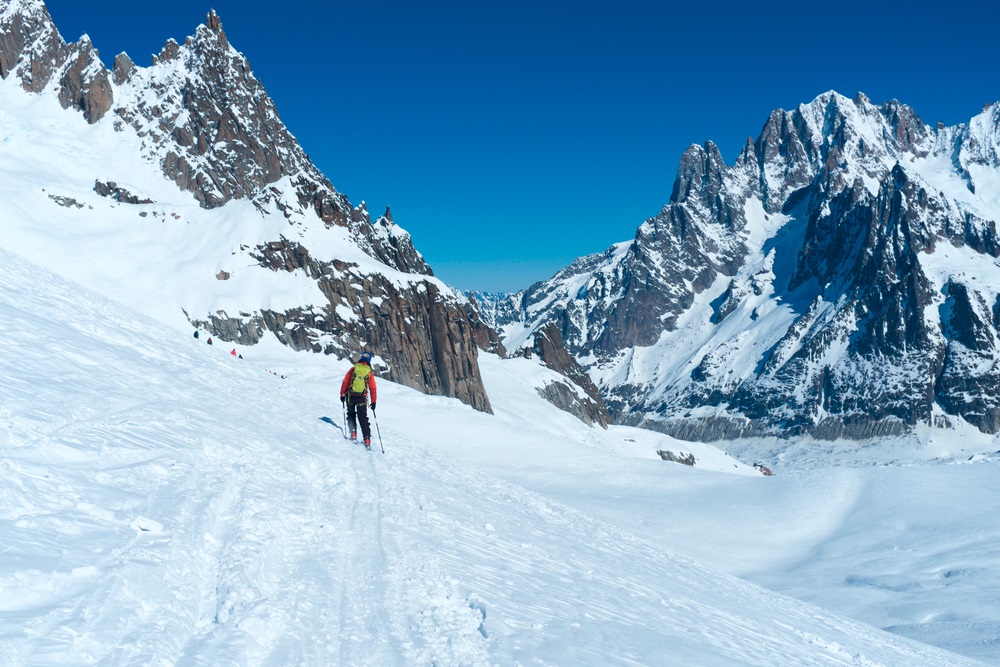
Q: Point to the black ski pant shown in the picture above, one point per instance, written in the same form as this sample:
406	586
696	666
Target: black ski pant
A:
357	411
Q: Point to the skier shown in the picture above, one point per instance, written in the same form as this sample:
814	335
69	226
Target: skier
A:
354	393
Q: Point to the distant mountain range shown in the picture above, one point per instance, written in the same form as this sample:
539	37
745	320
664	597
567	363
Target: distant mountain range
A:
839	280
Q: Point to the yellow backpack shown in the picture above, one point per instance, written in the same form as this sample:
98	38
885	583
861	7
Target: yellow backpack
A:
359	382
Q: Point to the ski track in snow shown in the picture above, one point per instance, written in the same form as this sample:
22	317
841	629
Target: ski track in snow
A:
165	504
115	493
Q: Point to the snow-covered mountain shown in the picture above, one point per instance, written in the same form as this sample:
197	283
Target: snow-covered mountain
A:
165	503
183	171
839	279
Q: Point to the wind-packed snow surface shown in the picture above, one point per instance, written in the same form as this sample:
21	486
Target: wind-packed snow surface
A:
164	503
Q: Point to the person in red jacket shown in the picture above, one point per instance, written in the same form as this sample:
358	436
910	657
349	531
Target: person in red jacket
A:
355	391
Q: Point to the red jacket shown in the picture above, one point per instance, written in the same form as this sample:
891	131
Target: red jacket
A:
372	389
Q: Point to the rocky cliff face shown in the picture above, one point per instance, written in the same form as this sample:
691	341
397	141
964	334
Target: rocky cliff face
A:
579	395
839	279
576	393
32	49
199	113
412	326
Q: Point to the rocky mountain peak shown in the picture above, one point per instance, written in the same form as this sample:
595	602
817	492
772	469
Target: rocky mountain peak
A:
123	69
171	49
700	172
578	395
29	43
909	132
211	33
32	49
24	13
747	156
210	123
214	24
837	139
813	287
85	83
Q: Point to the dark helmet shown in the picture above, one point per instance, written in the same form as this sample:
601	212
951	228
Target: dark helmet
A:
366	357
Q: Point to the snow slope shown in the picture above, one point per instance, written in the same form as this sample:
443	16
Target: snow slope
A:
164	503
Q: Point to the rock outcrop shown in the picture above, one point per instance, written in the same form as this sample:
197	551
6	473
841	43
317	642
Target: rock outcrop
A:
580	395
118	193
425	341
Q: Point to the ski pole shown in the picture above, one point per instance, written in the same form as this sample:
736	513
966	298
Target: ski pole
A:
344	403
377	430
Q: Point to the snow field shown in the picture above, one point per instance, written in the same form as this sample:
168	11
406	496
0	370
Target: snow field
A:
167	504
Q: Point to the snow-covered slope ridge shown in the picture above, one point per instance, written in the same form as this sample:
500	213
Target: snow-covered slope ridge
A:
265	247
839	279
168	504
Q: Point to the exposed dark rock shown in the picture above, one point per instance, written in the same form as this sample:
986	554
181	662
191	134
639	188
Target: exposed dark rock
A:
426	337
66	202
682	458
32	49
123	69
31	46
487	339
171	49
85	83
970	378
590	408
119	194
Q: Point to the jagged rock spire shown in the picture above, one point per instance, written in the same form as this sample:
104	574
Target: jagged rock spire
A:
32	49
212	29
29	42
123	69
213	22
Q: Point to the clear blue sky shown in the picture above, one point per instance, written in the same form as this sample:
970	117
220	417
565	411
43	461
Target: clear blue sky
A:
510	138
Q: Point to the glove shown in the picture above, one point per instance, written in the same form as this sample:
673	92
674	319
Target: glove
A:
343	399
373	407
